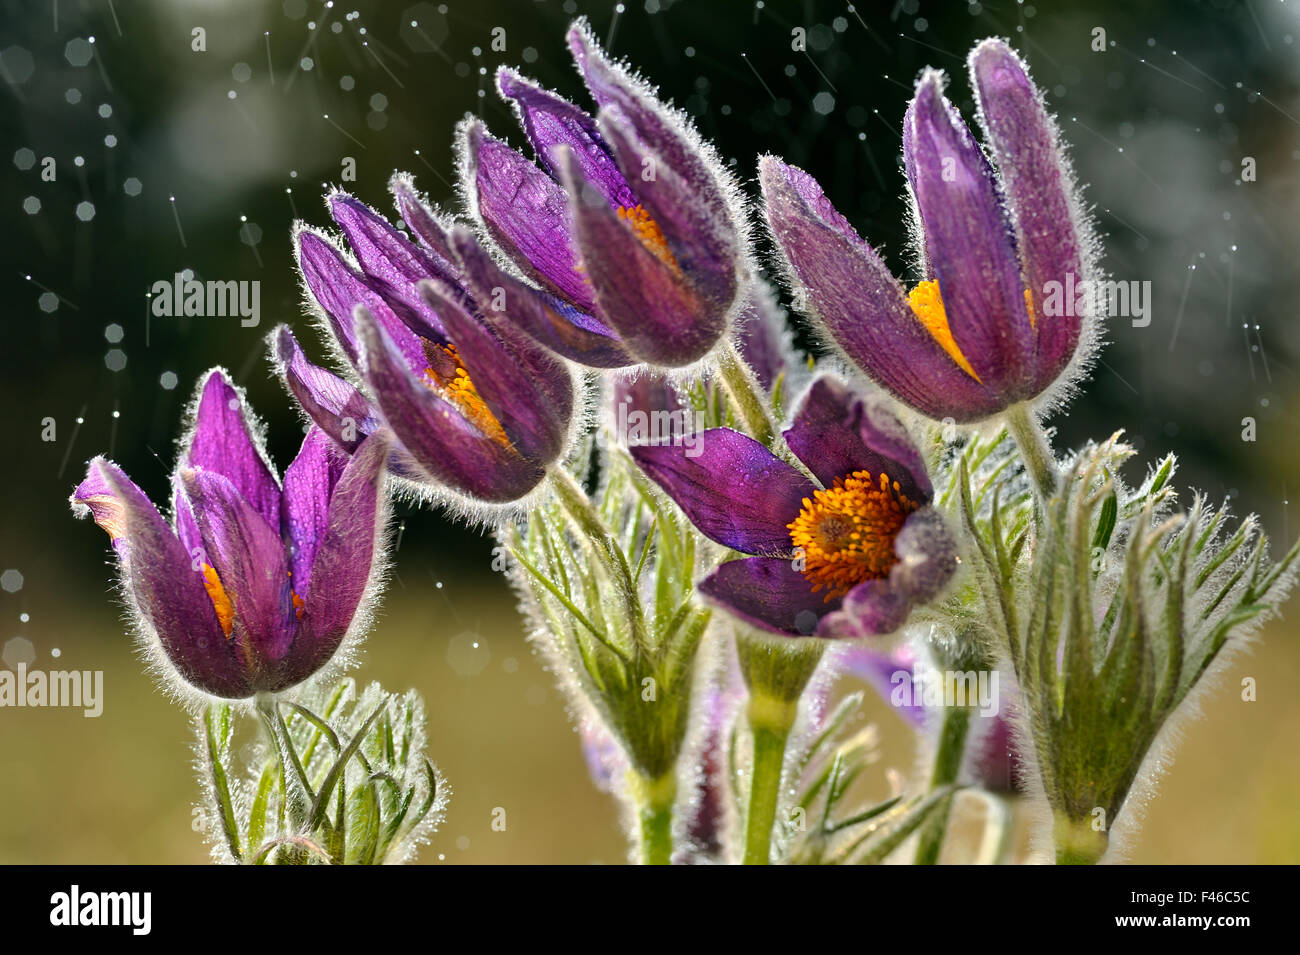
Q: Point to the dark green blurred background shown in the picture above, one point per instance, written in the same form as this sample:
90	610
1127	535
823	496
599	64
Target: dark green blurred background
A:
1159	125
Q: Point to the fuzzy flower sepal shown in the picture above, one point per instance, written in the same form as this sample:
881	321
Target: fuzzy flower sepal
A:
339	776
1125	609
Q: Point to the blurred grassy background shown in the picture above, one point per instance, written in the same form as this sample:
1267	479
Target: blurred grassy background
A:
1158	125
118	789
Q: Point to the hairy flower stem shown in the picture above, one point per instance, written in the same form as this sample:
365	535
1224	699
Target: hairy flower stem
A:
769	722
654	800
583	512
776	673
947	765
1077	842
742	387
291	771
1034	450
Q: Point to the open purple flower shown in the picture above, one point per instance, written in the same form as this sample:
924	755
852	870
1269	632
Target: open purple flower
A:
626	222
256	585
984	329
847	559
476	404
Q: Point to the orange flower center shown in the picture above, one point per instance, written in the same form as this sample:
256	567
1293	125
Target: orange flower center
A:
649	234
221	601
299	605
846	533
224	604
457	388
927	306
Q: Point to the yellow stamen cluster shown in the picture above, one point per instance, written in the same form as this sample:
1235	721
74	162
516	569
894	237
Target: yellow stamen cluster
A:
298	604
649	234
846	533
927	306
221	601
224	604
460	391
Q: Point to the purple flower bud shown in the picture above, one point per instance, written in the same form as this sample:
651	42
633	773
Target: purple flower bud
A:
627	219
434	336
255	585
978	332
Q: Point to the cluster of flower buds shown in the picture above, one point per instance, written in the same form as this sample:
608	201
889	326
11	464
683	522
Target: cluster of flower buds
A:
685	566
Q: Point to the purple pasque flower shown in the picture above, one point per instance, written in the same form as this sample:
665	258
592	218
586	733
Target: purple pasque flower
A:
255	585
627	223
477	406
984	329
845	556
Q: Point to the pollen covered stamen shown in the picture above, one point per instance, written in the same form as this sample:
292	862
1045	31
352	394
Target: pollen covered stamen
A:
221	601
649	234
458	388
846	533
299	605
927	306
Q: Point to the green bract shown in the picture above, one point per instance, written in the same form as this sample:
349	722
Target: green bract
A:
1112	607
347	780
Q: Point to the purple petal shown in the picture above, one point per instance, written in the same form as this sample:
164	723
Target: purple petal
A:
645	298
968	242
223	442
768	593
349	540
650	393
434	430
549	121
393	261
526	212
702	241
763	336
886	673
339	289
333	405
527	389
187	529
860	304
606	762
732	488
159	576
1025	145
994	761
927	556
552	322
870	609
308	483
836	432
248	557
660	130
423	222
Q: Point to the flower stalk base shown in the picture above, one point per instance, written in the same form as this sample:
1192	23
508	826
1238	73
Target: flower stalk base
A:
654	799
1077	842
1034	450
777	673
